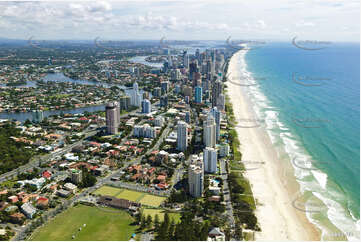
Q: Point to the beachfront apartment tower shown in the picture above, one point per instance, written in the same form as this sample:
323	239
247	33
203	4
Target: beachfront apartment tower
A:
112	117
210	160
209	132
195	179
217	117
182	137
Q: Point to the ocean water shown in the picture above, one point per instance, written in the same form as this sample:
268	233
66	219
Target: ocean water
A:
309	104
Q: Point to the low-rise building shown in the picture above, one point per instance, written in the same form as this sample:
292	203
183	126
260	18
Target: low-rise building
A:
70	187
28	210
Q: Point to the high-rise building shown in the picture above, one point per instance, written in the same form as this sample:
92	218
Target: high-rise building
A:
38	116
146	106
124	103
188	117
135	98
144	130
217	117
164	86
159	121
193	67
182	136
112	117
210	160
76	176
198	95
157	92
196	179
221	102
216	91
209	132
163	101
187	91
185	60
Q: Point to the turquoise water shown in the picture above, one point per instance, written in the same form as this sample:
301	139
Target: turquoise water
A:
310	103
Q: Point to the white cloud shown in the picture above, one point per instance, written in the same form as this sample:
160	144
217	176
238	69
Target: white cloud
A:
211	19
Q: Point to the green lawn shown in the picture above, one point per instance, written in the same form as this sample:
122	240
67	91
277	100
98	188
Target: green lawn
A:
131	195
160	212
140	197
108	191
152	200
100	225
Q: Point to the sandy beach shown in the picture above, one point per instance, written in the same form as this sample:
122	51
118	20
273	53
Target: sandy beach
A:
273	190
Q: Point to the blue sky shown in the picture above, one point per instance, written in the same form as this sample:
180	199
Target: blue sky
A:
331	20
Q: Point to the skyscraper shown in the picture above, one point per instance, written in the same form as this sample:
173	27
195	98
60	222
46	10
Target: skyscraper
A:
112	118
185	60
182	137
209	132
146	106
165	86
216	91
198	95
124	102
135	98
221	102
210	160
217	117
196	179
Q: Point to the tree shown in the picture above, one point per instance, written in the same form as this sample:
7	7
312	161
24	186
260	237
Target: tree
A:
204	231
171	230
156	222
149	221
142	222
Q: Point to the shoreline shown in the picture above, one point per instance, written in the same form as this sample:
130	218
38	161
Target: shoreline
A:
277	217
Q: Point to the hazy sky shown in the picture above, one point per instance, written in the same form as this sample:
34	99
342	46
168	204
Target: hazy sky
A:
332	20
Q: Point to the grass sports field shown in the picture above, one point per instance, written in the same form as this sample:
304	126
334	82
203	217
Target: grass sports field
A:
100	225
161	212
140	197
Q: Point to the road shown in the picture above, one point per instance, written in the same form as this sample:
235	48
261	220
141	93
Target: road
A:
226	193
